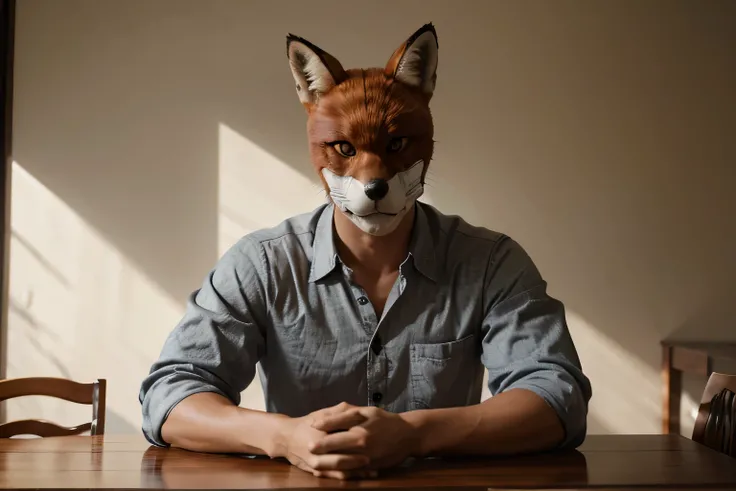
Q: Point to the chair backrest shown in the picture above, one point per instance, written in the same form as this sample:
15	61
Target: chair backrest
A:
715	425
68	390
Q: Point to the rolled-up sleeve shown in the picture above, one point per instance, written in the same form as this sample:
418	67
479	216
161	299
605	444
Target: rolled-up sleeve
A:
526	341
216	345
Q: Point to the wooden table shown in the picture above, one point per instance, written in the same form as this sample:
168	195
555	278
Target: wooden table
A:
117	462
698	358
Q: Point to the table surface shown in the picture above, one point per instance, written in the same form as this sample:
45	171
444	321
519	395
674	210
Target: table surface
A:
129	462
712	348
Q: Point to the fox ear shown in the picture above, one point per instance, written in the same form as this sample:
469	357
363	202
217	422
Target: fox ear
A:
415	62
315	71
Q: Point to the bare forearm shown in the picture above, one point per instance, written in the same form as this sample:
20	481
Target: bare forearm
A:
208	422
517	421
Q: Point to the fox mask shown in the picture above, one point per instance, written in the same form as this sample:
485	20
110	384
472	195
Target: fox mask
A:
370	131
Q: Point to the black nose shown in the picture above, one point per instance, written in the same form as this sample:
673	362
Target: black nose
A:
376	189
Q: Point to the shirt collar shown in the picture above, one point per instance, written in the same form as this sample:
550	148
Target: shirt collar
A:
421	245
324	253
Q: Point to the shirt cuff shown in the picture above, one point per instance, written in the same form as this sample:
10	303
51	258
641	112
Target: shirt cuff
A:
567	403
162	398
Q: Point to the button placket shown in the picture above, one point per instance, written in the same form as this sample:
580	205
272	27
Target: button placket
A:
377	374
377	360
376	344
365	308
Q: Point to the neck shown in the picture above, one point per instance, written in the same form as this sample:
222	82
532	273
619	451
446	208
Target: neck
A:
370	254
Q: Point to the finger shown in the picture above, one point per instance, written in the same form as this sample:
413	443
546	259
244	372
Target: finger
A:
337	462
343	442
341	475
338	422
345	475
336	409
300	464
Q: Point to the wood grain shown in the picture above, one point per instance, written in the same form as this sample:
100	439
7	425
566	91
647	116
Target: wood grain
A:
117	462
61	388
69	390
40	428
715	349
690	361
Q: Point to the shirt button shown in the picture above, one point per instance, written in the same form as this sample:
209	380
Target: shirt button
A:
362	300
377	396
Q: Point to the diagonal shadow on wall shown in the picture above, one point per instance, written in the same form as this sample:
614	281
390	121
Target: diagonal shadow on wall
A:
598	140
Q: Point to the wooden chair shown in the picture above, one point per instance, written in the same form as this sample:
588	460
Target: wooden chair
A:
60	388
715	425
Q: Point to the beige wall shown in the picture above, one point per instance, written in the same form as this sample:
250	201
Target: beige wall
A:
150	135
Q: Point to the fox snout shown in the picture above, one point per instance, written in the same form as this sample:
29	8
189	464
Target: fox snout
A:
376	189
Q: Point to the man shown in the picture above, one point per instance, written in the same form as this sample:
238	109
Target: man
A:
373	317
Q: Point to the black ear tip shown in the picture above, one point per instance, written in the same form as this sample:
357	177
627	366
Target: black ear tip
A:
289	38
428	27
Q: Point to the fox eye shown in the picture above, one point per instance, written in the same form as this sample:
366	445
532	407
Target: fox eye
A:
397	144
345	149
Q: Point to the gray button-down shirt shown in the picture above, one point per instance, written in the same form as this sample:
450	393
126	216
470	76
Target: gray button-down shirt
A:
466	299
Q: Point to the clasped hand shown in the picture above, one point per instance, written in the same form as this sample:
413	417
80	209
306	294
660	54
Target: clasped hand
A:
347	441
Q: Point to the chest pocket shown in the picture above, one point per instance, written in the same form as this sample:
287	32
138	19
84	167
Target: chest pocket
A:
443	374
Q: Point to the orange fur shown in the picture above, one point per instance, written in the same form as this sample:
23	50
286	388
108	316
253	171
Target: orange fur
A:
367	108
